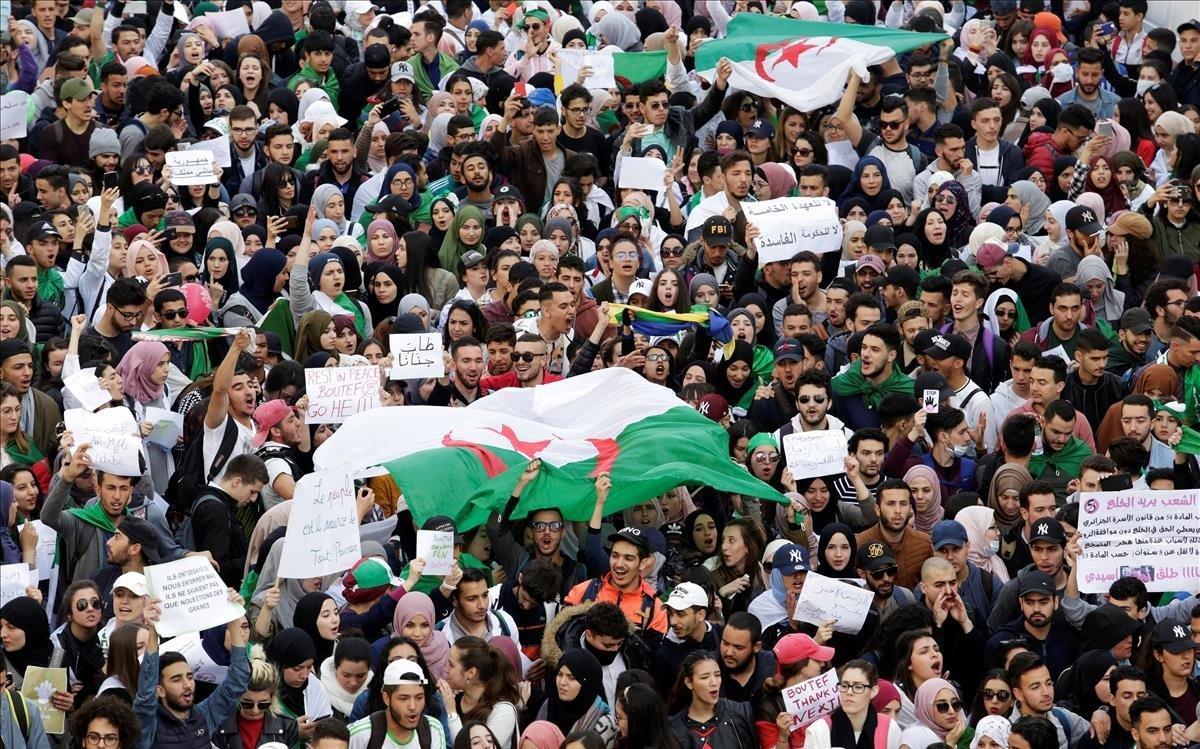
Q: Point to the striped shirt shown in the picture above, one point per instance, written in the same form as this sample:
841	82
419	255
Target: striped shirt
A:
360	736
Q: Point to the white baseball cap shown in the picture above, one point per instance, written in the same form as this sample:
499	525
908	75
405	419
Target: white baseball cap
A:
686	596
134	582
641	286
403	671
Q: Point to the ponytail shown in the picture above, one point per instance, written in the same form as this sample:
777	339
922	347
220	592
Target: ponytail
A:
495	672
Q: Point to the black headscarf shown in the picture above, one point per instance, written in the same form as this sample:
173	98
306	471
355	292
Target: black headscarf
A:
590	674
308	610
351	267
931	255
649	21
285	100
288	649
381	311
830	515
26	615
743	352
1084	676
827	534
766	336
258	277
231	282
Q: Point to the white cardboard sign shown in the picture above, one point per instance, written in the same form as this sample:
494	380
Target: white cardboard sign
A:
13	115
811	454
812	699
14	579
113	437
229	24
193	596
191	167
642	173
788	225
824	598
86	387
603	66
437	549
322	534
218	147
337	393
47	543
1150	535
168	426
416	355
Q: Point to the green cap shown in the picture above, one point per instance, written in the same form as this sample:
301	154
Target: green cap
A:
77	89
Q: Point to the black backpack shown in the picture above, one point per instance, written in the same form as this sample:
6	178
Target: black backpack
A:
189	478
379	731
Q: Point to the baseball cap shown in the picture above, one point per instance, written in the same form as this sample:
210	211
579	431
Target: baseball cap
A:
1048	529
949	533
875	556
870	261
140	531
1172	637
243	201
1047	20
377	56
1136	320
656	540
1192	24
180	221
134	582
641	286
388	204
932	381
761	129
790	559
1036	582
77	89
687	595
948	345
1002	8
992	252
673	530
403	71
507	192
444	524
42	230
403	671
631	535
83	17
713	406
789	349
880	237
794	648
266	416
218	125
471	258
717	230
1081	218
904	277
369	573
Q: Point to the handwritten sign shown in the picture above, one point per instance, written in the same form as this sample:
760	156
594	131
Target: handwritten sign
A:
115	444
218	147
811	454
416	355
603	67
86	388
39	686
47	541
193	596
14	579
1151	535
812	699
228	24
322	534
641	173
437	549
824	598
191	167
168	426
337	393
788	225
13	115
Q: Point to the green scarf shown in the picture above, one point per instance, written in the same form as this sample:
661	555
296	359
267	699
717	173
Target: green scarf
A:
1067	460
28	456
852	382
1191	395
51	286
360	320
429	583
93	515
328	82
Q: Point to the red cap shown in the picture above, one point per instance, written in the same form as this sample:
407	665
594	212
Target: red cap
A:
266	416
794	648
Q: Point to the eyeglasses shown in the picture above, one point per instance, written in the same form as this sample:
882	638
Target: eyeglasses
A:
625	255
577	110
242	130
96	739
131	316
245	212
884	124
525	356
945	707
83	604
946	198
656	357
853	688
766	458
252	705
542	526
997	694
172	314
885	572
671	252
1180	201
805	399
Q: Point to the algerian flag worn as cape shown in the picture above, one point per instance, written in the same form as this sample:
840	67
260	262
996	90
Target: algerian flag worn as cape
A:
853	382
464	462
803	63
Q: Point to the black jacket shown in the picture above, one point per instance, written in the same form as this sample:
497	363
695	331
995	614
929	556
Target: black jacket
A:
1011	162
276	728
735	728
218	530
47	318
324	176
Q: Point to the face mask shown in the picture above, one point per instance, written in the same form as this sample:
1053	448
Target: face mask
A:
606	657
607	121
1143	86
993	548
723	150
960	451
1062	72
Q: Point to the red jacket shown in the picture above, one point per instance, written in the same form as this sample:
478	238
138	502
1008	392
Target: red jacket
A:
509	380
1040	152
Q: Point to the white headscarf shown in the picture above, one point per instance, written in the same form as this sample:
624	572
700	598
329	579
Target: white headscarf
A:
995	727
1111	304
989	308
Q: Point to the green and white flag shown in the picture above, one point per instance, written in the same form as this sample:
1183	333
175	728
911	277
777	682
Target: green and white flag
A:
464	462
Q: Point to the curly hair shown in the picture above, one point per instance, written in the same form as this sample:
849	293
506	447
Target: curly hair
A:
115	711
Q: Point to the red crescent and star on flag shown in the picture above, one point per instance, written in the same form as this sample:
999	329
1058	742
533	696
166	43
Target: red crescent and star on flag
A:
791	53
607	450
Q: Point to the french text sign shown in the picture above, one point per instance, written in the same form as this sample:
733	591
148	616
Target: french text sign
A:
811	454
824	598
437	549
812	699
39	686
191	167
1151	535
322	534
416	355
337	393
788	225
14	579
193	596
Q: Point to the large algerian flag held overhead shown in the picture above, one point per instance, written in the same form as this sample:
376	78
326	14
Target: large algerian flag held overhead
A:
803	63
464	462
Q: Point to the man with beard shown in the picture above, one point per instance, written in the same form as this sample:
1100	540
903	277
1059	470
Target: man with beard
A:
738	170
529	367
402	722
338	169
530	599
1033	688
861	311
228	423
912	547
1088	93
1128	352
39	413
125	308
165	703
1151	723
687	611
501	340
876	565
867	446
862	386
133	546
1040	624
804	274
745	666
555	325
774	411
477	176
467	356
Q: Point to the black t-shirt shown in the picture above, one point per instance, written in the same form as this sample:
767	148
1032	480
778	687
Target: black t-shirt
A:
593	142
121	342
447	395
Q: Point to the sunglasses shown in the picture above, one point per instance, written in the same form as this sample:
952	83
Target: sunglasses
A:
1006	313
948	199
252	705
804	400
997	694
244	212
805	152
526	356
671	252
658	104
945	707
141	169
766	458
534	27
543	525
1180	201
287	182
83	604
172	314
749	107
891	125
885	572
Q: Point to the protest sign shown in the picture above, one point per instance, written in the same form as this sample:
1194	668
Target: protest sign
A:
811	699
810	454
642	173
824	598
116	454
228	24
14	579
337	393
788	225
322	534
193	596
931	400
191	167
218	147
47	541
13	115
603	67
1151	535
85	386
416	355
168	426
437	549
113	436
39	686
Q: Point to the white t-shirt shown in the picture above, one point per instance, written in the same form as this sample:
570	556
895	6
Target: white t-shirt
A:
360	736
977	405
212	444
989	165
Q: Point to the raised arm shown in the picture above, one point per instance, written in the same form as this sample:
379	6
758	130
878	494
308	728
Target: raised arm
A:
218	404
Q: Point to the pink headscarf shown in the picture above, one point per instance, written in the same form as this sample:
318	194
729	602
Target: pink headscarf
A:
1095	202
437	649
136	368
926	696
781	178
382	225
977	520
925	520
135	249
543	734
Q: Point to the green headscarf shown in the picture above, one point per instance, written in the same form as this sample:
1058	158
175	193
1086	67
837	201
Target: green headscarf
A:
852	382
452	248
23	335
530	218
762	439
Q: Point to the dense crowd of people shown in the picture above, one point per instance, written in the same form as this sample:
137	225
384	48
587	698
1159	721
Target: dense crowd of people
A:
1012	320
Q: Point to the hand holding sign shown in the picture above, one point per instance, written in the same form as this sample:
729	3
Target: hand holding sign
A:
191	167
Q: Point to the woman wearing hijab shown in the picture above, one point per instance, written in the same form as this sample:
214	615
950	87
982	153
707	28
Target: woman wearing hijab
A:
324	288
780	179
300	689
1035	200
1157	381
984	536
262	282
11	552
1005	316
266	618
959	222
219	269
315	333
1003	496
1054	221
414	618
1088	672
144	371
575	701
867	184
27	637
317	615
283	106
1103	302
836	551
618	30
736	381
323	199
996	729
384	282
933	238
465	234
939	713
927	496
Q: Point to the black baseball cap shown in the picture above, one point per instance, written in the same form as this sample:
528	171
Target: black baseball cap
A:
875	556
631	535
1048	529
1136	320
902	276
444	524
377	57
140	531
42	230
880	237
1173	637
1192	24
789	349
948	345
1081	218
1036	582
388	204
717	230
508	192
933	381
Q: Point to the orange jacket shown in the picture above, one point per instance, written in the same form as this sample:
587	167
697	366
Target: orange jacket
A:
639	606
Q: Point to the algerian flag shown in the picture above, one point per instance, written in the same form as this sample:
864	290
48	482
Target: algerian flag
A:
464	462
803	63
